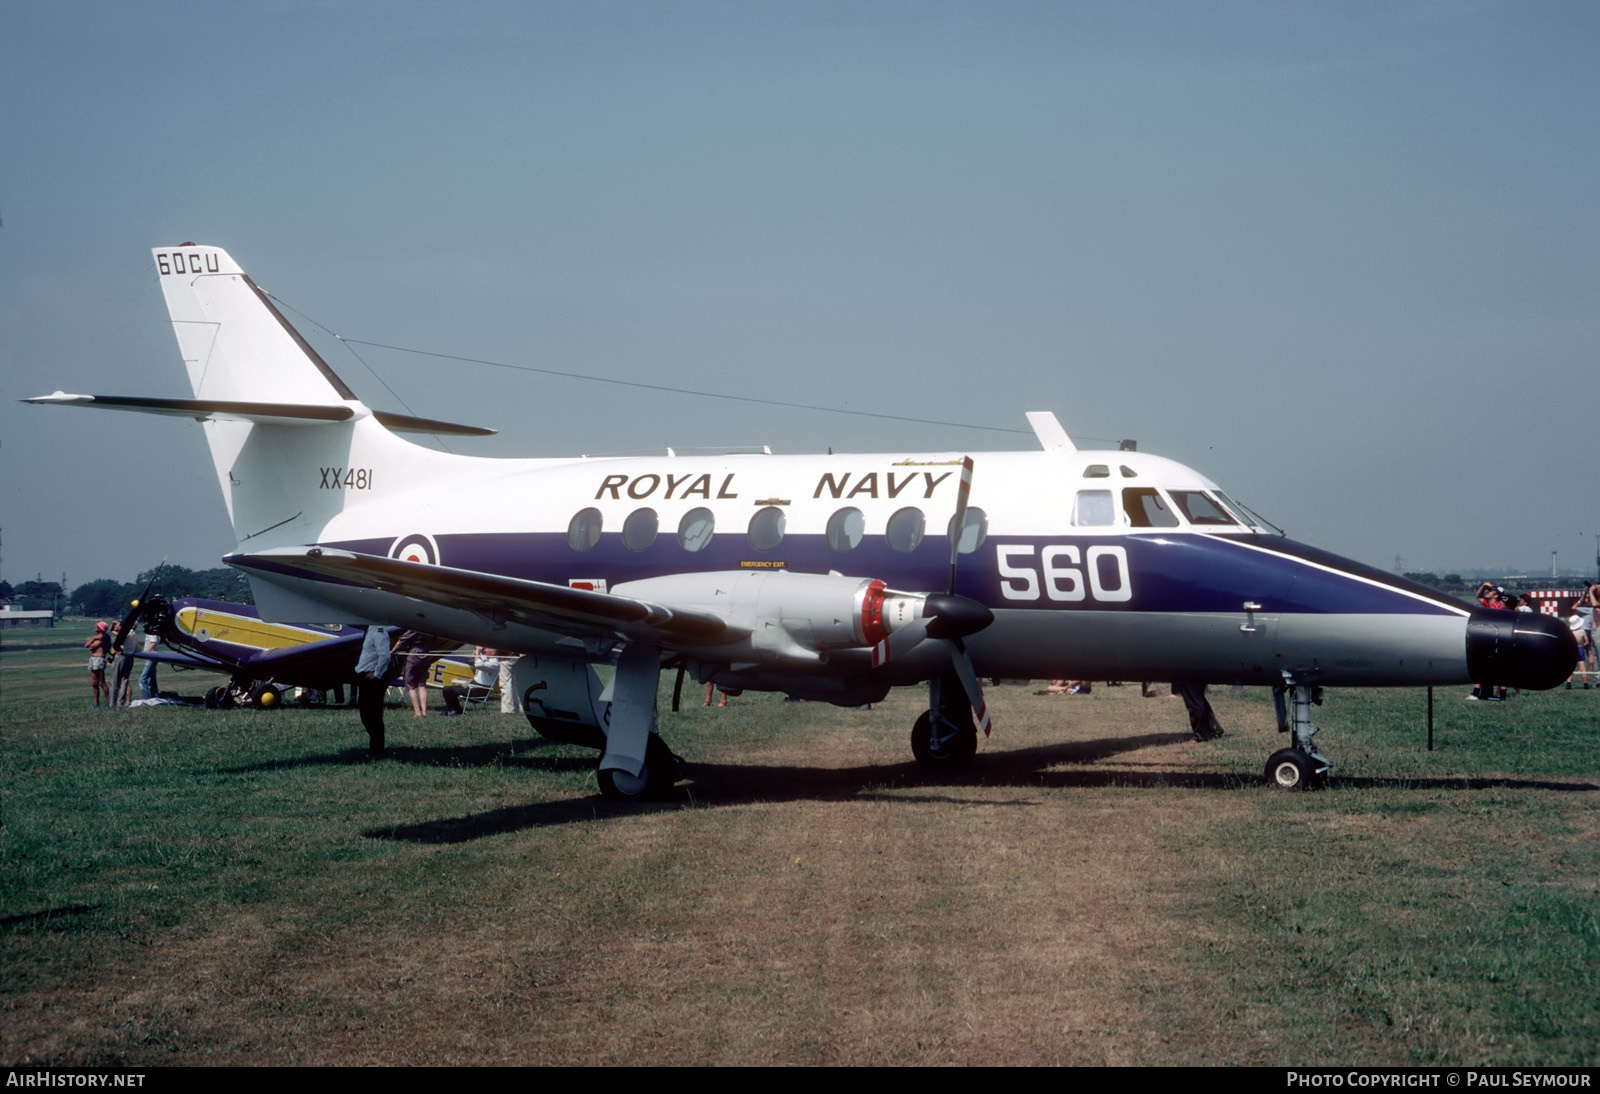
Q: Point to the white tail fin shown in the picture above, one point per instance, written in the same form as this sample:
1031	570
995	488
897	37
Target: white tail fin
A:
293	446
235	343
239	349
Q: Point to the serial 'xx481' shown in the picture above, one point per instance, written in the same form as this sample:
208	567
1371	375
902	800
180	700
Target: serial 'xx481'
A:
827	577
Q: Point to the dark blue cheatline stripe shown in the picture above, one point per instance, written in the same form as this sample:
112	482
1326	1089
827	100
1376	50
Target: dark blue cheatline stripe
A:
1318	556
1169	572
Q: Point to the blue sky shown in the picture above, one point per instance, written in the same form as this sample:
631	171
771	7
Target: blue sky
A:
1340	258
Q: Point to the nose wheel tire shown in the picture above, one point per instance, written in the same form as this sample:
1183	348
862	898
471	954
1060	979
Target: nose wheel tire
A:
1291	769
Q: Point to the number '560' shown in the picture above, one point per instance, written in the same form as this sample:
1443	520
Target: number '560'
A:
1064	573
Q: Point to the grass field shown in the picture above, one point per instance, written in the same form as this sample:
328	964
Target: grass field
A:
187	886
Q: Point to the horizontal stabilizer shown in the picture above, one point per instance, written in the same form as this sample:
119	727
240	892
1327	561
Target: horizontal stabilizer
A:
404	423
578	612
221	410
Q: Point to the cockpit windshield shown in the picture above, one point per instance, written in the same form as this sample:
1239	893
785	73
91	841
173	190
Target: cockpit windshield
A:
1248	517
1198	507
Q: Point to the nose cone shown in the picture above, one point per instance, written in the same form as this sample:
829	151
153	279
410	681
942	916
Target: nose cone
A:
1519	649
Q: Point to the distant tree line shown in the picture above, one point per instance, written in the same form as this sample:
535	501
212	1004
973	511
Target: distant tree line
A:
1449	583
33	596
106	598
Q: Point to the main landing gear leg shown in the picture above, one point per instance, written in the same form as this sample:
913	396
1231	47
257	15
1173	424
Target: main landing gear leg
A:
1301	766
945	735
636	763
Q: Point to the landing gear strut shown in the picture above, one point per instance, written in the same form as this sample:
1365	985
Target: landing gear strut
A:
636	762
1301	766
945	735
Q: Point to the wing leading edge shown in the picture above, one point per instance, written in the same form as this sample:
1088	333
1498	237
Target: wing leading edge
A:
580	613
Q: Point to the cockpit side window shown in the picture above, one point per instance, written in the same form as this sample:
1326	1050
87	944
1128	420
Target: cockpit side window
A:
1145	508
1199	508
1093	509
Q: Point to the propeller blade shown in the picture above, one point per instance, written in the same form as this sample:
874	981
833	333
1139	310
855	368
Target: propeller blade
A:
963	492
131	618
901	642
969	682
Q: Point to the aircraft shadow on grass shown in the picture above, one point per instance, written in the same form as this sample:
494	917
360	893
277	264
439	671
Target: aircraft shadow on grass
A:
62	918
715	785
515	753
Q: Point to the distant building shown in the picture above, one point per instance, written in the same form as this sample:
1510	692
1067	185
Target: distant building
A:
11	617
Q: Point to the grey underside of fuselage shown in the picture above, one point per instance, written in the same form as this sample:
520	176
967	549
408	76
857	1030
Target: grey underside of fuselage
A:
1345	650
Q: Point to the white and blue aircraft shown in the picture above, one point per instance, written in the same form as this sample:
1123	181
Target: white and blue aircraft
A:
829	577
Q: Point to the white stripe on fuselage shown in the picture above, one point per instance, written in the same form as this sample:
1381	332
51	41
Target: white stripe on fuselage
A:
1437	602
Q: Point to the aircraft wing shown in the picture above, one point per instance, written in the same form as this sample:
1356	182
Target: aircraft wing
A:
578	612
334	658
181	660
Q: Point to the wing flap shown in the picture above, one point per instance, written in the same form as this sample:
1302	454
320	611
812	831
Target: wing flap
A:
579	612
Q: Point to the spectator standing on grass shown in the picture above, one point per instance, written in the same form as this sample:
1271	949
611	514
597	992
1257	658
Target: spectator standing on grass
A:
99	645
147	675
1575	623
510	701
121	668
372	684
1202	719
1489	596
1585	608
414	647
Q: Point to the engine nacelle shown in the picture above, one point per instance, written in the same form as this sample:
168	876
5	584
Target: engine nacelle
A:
787	617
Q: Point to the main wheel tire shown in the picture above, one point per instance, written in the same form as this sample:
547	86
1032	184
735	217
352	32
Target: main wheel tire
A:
1291	769
954	751
266	697
655	780
216	696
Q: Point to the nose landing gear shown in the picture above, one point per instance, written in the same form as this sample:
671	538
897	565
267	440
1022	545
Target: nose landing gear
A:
1301	766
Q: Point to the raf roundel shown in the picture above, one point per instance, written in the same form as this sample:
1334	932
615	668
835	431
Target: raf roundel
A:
415	548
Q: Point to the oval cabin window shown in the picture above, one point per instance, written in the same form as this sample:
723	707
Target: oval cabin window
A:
845	529
639	530
694	530
766	528
973	531
905	529
584	531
